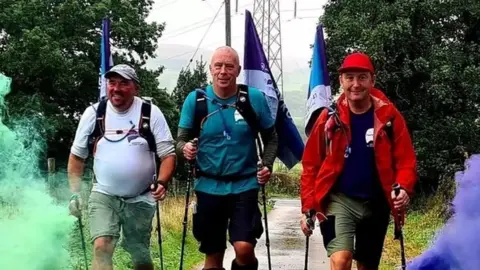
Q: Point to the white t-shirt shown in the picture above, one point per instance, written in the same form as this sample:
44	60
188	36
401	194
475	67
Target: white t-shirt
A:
125	168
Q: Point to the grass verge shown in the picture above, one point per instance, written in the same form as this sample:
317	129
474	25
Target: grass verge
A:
171	216
419	230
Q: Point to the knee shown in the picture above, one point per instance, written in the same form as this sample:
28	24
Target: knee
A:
245	257
140	254
244	252
103	246
341	260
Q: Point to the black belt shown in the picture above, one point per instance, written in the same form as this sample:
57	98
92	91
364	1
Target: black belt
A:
225	178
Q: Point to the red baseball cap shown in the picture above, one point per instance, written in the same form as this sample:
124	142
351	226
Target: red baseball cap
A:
357	61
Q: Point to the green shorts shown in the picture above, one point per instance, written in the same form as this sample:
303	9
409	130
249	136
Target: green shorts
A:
356	225
108	214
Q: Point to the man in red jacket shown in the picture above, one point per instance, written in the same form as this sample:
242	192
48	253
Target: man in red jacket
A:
350	162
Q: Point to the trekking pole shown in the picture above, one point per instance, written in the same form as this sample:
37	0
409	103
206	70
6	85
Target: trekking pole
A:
191	165
311	225
159	225
398	228
80	225
264	198
307	240
82	237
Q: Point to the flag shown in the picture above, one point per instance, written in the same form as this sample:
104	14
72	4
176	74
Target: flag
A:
258	75
319	92
106	60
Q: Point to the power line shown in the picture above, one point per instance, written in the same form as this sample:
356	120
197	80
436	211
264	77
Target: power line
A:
196	25
185	53
234	37
167	4
202	23
205	34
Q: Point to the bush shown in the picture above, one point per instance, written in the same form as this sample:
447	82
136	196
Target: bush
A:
284	184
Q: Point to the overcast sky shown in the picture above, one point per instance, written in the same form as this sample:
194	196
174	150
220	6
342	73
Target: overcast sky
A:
187	22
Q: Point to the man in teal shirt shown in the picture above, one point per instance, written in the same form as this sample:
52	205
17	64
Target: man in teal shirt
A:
227	178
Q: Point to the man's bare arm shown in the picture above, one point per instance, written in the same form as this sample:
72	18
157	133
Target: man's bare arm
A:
75	170
167	169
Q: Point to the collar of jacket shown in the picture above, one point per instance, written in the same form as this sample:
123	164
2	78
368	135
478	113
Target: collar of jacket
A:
382	110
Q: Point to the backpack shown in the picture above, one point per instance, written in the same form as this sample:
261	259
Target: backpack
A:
144	128
332	112
243	106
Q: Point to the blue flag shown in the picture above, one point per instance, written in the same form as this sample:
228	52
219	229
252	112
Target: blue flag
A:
106	60
259	75
319	92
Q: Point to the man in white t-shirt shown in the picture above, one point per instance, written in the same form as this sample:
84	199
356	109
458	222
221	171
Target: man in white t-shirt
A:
122	197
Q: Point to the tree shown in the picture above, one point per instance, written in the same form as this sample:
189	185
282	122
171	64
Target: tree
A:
427	56
188	80
51	49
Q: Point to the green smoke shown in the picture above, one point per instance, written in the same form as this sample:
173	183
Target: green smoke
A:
34	227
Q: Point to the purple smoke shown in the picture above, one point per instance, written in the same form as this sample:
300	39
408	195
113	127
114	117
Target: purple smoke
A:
457	244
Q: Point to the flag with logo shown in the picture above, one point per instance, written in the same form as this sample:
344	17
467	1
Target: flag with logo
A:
258	75
319	92
106	60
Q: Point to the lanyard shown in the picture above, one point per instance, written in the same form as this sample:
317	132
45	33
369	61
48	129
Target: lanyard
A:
226	132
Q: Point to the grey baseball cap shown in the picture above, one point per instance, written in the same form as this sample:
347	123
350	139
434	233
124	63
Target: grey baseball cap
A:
125	71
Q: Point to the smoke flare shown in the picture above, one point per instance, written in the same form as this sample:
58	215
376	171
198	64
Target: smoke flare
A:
456	246
34	228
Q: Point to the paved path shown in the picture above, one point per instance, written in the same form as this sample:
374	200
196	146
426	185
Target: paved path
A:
287	242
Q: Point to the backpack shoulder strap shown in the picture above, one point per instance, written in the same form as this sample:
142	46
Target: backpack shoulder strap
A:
144	127
99	128
244	107
201	111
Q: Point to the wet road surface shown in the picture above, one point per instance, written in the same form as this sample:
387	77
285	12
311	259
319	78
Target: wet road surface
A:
287	242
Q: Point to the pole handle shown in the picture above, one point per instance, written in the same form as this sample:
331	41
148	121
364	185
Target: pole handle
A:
396	188
194	142
310	214
259	165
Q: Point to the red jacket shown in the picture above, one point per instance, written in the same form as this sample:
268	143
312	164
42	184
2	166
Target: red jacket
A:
322	166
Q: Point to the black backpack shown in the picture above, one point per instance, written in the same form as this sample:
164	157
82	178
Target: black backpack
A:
143	126
243	105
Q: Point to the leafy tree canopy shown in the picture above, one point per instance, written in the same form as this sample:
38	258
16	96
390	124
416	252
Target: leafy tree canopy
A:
51	49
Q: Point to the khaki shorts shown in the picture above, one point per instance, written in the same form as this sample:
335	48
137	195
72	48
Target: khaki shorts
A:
356	225
108	214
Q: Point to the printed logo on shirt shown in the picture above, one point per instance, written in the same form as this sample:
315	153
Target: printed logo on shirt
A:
369	137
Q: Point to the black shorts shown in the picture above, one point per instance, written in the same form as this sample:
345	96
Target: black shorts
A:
239	213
